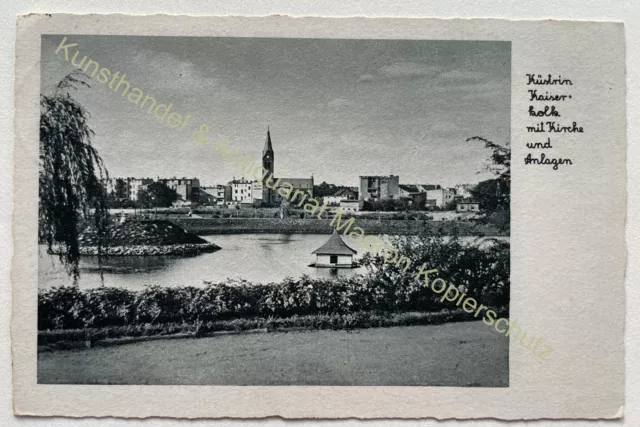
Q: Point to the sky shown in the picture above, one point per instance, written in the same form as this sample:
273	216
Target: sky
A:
336	108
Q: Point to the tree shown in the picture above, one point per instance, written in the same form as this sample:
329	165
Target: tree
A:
71	175
451	205
387	205
120	188
117	198
156	195
494	195
486	193
325	189
500	159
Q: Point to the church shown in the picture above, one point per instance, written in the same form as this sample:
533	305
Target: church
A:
269	197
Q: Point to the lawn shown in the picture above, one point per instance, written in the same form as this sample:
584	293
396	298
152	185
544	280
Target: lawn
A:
453	354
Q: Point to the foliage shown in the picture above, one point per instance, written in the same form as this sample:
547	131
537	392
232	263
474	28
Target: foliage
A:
500	159
117	199
482	269
77	338
494	195
326	189
153	232
452	205
120	203
481	266
71	174
156	195
387	205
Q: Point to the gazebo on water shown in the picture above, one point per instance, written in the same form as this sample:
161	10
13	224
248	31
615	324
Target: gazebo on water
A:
334	253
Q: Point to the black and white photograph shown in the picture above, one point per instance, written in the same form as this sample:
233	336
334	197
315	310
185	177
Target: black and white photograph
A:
275	212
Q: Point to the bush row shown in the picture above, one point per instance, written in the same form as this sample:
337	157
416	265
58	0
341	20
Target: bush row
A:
72	338
72	308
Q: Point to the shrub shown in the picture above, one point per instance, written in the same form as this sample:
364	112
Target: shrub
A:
62	308
482	268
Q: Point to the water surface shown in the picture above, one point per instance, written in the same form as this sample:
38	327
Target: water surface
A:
258	258
254	257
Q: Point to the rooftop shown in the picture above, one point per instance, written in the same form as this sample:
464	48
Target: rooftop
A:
334	246
379	176
343	192
409	188
430	187
296	182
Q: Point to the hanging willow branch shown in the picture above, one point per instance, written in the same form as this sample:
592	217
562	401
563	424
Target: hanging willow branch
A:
500	159
72	174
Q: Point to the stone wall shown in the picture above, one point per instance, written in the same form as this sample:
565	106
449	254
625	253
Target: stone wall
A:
188	249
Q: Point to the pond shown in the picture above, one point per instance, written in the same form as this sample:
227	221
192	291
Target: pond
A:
253	257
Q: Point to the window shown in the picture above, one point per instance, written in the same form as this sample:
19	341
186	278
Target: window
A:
333	259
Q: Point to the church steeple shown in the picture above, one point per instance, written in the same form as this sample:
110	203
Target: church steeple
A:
267	144
268	160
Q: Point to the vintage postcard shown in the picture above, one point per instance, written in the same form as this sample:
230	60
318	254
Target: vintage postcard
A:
318	218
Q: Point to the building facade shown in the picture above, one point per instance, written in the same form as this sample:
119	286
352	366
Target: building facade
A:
188	189
351	205
379	187
339	196
127	188
241	190
407	191
468	207
298	186
441	196
215	195
222	193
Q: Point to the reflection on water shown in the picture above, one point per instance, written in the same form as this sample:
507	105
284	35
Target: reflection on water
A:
125	265
255	257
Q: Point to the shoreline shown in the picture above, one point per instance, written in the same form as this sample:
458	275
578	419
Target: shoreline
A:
213	226
183	249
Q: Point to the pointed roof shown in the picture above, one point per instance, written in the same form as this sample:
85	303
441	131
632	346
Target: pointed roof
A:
334	246
267	143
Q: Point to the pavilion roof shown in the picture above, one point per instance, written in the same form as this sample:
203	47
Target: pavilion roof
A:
335	246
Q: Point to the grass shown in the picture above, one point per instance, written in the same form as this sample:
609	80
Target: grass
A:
459	354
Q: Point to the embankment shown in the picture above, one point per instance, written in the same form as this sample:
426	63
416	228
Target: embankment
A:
207	226
143	238
186	249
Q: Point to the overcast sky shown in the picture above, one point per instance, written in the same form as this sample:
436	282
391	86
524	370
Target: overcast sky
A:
337	108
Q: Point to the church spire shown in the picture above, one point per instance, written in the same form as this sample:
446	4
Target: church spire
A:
267	144
268	158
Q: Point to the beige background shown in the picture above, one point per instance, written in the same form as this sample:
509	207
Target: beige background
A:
568	255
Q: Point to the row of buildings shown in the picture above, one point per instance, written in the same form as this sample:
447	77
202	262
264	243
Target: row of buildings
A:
377	188
264	193
187	189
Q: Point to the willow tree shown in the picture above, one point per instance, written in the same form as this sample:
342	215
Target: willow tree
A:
72	174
